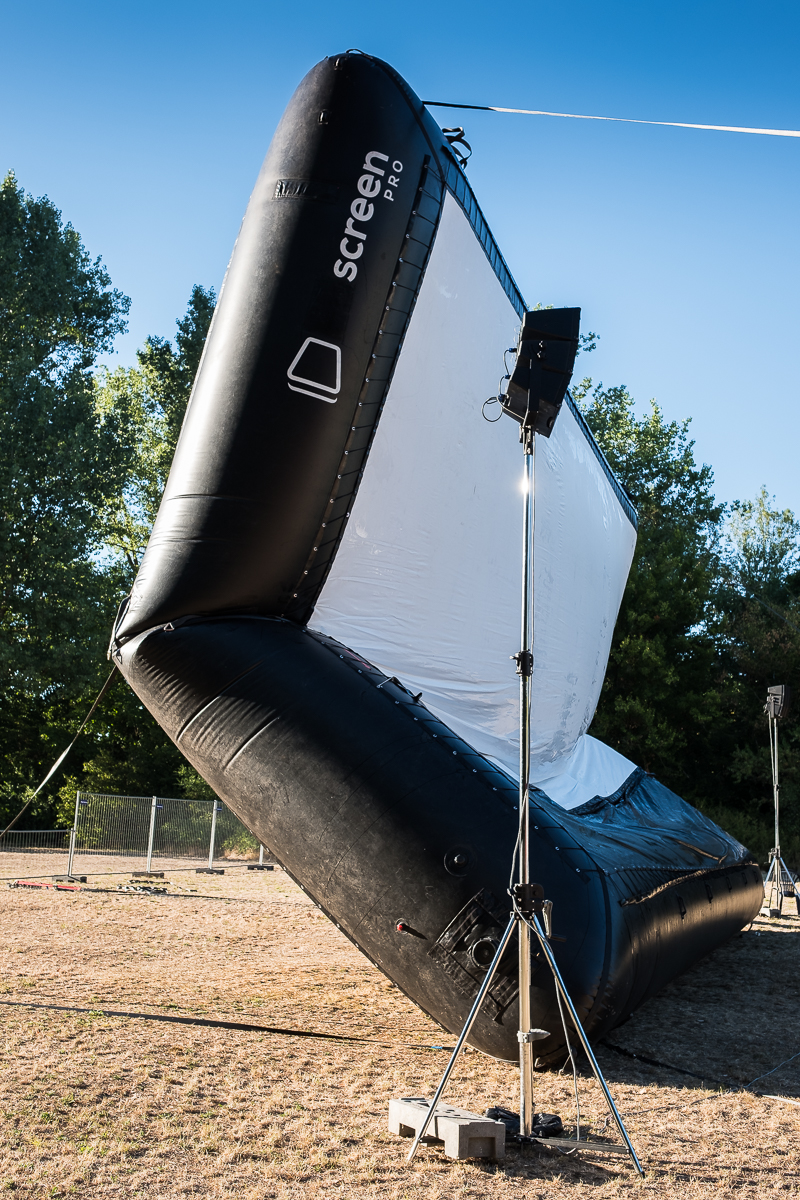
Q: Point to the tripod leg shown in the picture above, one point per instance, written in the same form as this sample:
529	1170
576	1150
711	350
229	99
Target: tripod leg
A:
487	983
787	883
598	1074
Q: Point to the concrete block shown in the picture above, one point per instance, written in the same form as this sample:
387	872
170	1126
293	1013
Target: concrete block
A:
464	1134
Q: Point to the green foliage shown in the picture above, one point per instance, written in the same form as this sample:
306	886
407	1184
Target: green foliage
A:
763	552
128	752
760	646
709	619
83	461
59	461
148	403
192	785
660	698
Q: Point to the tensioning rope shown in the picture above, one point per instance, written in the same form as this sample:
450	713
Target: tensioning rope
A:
538	112
62	756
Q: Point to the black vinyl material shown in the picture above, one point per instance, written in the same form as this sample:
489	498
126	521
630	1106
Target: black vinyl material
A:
385	817
376	808
264	474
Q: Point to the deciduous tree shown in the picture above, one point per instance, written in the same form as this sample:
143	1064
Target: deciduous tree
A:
60	459
660	698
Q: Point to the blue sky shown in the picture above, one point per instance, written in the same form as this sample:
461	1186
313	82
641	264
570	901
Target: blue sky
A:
146	124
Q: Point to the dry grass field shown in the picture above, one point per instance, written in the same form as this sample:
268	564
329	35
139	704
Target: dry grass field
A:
102	1106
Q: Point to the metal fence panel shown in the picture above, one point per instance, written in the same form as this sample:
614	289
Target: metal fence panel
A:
147	827
36	841
156	827
108	824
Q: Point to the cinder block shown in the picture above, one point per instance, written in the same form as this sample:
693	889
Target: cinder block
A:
464	1134
471	1136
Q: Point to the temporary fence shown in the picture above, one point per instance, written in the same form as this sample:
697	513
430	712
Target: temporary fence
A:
36	841
147	827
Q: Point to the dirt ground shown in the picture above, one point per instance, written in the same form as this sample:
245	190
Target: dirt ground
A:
101	1106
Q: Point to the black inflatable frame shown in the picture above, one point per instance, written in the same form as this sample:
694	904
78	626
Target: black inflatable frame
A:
393	825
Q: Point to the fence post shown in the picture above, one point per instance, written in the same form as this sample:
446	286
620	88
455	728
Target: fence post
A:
73	834
151	833
213	834
260	856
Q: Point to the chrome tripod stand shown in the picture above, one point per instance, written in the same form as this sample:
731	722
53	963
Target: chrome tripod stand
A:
527	898
779	882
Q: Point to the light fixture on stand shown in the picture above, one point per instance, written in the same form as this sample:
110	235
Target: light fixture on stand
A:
779	881
545	356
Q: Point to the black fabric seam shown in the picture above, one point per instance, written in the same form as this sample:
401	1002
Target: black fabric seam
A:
300	608
619	491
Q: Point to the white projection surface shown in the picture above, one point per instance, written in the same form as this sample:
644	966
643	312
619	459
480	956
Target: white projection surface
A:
426	581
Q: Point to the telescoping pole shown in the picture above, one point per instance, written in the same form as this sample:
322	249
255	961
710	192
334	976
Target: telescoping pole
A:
525	669
774	876
776	787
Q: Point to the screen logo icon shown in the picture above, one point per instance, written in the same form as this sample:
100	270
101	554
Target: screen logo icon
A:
318	367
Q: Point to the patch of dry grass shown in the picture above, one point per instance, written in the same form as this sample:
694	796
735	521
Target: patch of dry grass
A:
100	1106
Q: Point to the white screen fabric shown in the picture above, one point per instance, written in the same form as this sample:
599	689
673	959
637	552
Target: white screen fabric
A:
426	580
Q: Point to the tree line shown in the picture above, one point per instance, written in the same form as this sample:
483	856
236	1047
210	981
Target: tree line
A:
710	617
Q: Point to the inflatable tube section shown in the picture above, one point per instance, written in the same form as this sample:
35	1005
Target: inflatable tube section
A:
324	615
387	820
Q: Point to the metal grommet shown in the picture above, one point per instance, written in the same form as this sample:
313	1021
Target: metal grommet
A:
482	952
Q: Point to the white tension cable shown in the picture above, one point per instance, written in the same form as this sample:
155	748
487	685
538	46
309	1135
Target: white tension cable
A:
538	112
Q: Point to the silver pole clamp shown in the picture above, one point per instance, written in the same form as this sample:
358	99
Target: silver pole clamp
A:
532	1035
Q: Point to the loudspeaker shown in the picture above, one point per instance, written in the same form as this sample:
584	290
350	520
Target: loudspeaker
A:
779	699
546	352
